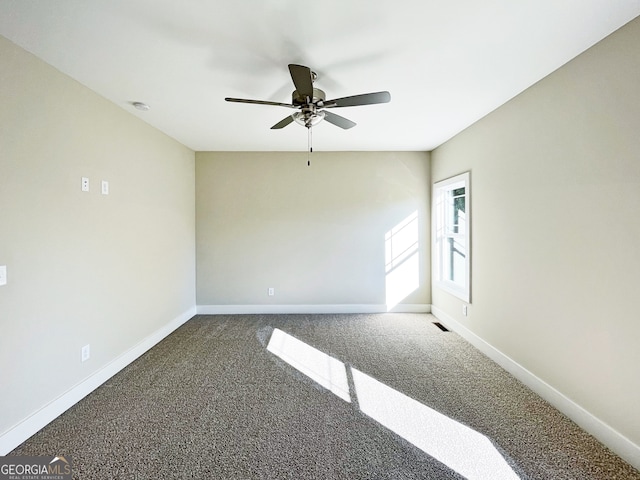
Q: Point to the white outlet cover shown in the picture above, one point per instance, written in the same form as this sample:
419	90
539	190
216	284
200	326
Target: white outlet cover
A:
85	184
86	353
3	274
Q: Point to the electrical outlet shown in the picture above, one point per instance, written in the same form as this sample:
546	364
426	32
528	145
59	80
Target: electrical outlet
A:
86	352
465	310
272	291
85	184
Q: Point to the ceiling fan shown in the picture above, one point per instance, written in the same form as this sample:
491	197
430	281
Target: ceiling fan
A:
310	103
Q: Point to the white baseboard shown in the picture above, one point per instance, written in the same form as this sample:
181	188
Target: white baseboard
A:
25	429
610	437
310	309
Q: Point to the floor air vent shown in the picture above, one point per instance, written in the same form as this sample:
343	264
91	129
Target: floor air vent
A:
441	327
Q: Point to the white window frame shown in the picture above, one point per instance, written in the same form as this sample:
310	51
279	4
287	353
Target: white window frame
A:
443	236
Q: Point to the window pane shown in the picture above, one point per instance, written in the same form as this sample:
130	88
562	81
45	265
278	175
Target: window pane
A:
455	261
455	216
458	210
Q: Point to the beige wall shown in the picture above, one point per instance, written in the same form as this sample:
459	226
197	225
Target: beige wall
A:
555	177
83	268
316	234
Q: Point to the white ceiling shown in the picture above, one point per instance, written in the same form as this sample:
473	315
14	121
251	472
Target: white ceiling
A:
446	63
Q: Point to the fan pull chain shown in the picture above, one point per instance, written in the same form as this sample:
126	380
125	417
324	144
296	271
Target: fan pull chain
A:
310	147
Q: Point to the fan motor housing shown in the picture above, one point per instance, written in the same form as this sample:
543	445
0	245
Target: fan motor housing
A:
298	99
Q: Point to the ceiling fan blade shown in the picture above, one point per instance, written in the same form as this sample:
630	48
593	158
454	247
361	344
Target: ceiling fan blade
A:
338	120
356	100
260	102
301	77
283	123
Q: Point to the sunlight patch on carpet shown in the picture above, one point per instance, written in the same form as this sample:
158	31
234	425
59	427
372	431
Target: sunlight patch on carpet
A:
461	448
317	365
457	446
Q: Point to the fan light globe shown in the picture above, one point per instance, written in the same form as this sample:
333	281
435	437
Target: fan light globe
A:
308	119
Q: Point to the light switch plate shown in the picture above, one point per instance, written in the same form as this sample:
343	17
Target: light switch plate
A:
105	187
3	274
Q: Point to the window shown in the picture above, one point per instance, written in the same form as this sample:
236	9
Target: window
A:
452	246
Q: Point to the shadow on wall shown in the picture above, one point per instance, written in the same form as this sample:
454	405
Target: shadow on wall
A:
464	450
402	260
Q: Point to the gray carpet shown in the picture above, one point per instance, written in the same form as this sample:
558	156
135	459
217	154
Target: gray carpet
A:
211	401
